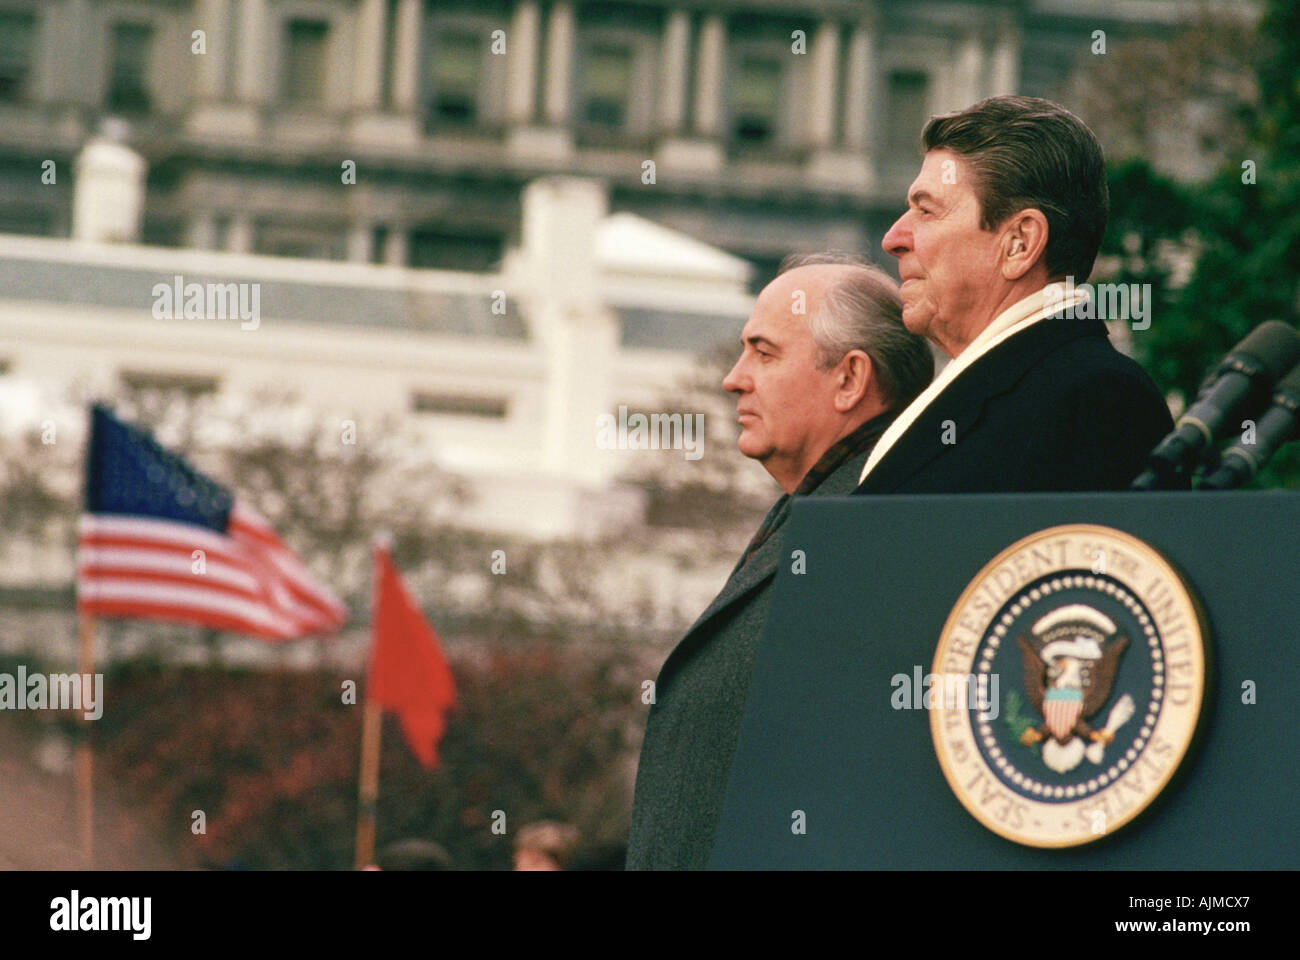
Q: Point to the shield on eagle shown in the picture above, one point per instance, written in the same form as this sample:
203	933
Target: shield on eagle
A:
1061	709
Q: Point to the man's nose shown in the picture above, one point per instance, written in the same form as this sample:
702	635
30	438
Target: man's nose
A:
897	240
732	382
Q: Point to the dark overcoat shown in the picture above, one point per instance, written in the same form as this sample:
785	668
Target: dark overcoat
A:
694	723
1053	408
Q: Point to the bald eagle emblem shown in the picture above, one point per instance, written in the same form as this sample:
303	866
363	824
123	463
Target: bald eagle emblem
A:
1070	658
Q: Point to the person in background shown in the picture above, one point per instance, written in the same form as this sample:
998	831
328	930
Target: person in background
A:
545	845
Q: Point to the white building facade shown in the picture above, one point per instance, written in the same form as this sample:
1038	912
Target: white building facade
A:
506	375
498	218
773	125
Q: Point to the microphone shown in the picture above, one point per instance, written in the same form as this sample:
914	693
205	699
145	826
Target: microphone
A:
1279	424
1239	386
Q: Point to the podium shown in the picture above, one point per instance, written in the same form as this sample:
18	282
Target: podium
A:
830	774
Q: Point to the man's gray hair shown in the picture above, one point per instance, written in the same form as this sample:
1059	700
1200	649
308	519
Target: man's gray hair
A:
864	311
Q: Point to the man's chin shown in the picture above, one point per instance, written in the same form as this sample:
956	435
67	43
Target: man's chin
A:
752	448
916	320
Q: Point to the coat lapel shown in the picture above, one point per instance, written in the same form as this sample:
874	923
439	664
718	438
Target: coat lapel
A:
757	570
762	564
964	399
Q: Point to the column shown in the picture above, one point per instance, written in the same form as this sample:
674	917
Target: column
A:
408	29
559	64
371	28
201	231
108	192
709	62
69	80
52	47
674	58
395	245
858	92
825	85
232	80
1005	71
253	53
521	48
577	335
970	64
214	21
360	240
239	234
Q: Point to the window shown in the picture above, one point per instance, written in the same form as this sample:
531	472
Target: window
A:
379	244
455	73
494	408
616	70
314	242
304	62
908	111
755	100
33	221
17	40
606	84
434	249
163	232
128	81
193	384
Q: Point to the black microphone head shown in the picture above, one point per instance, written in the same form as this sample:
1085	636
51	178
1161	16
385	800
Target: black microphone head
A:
1272	345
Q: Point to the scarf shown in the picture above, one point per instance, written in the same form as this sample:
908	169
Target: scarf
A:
1020	316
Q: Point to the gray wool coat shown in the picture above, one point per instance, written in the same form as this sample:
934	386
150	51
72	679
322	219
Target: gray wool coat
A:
694	724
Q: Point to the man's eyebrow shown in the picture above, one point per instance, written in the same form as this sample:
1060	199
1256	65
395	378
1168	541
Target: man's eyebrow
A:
755	339
920	196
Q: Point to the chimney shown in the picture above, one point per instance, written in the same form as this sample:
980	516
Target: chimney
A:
108	200
557	270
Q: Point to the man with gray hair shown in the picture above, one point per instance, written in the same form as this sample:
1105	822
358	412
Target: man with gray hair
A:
825	364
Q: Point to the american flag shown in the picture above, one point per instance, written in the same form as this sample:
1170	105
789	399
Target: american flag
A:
160	541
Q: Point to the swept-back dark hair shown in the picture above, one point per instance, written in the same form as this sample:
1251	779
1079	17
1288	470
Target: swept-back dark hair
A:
1025	152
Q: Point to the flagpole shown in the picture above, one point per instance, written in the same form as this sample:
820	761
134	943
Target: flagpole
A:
85	789
372	727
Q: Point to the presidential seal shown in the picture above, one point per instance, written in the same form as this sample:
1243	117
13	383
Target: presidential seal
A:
1098	649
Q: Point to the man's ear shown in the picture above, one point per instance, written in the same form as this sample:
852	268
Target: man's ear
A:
1023	244
853	378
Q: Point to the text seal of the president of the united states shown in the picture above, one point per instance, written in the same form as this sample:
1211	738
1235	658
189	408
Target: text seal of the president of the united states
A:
1099	648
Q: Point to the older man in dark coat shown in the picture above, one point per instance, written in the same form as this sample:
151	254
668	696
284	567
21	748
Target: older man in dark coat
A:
1002	227
815	389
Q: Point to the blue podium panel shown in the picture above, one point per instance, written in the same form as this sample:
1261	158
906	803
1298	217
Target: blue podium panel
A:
829	774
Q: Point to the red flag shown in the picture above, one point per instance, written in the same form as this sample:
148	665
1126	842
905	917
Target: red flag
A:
408	672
